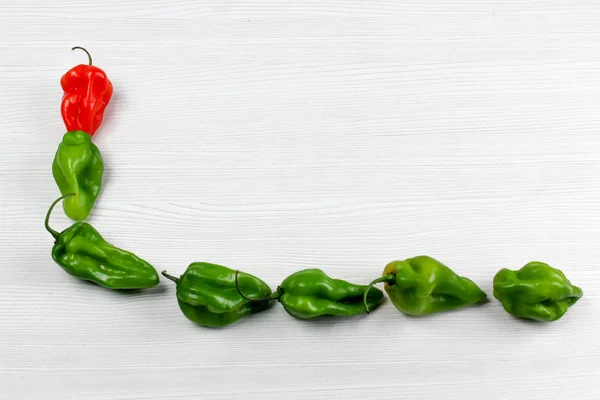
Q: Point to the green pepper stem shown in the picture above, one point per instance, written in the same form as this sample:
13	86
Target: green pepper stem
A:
54	233
86	52
171	277
273	296
386	278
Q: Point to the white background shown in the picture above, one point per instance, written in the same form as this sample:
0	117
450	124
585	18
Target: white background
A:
273	136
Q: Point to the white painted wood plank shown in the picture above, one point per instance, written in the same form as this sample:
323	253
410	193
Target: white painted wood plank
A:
273	136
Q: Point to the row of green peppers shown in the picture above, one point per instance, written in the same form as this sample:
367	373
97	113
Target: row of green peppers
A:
215	296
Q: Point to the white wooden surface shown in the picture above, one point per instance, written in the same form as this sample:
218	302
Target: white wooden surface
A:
273	136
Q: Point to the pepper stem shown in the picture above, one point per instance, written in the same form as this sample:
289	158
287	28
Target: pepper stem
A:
86	52
171	277
273	296
54	233
385	278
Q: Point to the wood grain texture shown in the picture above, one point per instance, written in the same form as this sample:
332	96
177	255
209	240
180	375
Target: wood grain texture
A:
272	136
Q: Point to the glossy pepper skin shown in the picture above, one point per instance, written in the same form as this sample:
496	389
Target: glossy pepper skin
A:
537	291
78	168
310	293
82	252
207	294
422	285
87	92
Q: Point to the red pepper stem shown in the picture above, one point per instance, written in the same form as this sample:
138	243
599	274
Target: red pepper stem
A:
389	278
273	296
54	233
171	277
86	52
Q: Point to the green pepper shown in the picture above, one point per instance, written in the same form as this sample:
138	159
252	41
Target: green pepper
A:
78	168
209	294
537	291
84	254
310	293
422	285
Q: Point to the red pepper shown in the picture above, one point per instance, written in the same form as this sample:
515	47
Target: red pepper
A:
87	93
